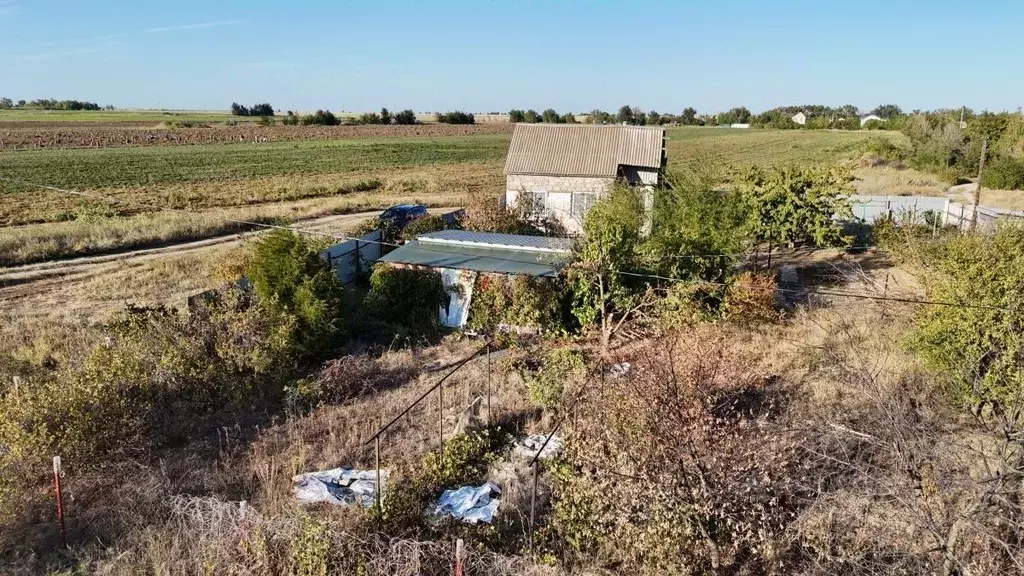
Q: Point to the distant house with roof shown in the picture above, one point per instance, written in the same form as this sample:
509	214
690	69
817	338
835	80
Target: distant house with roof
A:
566	168
461	255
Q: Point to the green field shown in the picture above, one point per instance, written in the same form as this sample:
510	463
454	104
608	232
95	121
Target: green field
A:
118	167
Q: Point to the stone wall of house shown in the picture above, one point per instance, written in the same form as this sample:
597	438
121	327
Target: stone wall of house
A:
516	182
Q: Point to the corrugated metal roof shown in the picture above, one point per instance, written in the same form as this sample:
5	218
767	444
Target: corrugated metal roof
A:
571	150
461	257
496	240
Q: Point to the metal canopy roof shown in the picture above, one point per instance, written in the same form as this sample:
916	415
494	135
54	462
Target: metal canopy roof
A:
571	150
497	240
509	260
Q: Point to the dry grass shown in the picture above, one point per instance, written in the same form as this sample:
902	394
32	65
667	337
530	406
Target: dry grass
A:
889	181
264	200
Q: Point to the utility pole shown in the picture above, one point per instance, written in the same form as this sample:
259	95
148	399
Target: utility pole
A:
977	191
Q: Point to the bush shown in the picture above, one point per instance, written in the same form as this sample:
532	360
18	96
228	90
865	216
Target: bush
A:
455	118
266	121
289	275
406	297
429	223
406	117
290	119
320	118
979	348
1004	173
547	384
519	301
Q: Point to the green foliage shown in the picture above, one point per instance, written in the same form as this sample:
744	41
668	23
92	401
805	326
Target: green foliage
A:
738	115
463	460
406	297
1004	173
289	275
698	231
312	548
980	348
320	118
516	115
560	366
405	117
157	372
886	149
263	109
429	223
520	300
290	119
531	116
455	118
793	205
266	121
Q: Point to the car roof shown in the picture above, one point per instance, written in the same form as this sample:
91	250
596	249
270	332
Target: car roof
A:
406	206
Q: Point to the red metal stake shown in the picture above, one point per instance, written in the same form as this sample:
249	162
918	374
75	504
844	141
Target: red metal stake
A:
60	502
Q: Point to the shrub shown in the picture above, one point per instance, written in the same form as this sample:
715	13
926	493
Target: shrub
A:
289	275
547	384
520	301
1004	173
406	297
266	121
407	117
455	118
980	348
430	223
713	471
320	118
750	298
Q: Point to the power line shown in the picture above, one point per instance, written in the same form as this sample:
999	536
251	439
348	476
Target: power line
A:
805	291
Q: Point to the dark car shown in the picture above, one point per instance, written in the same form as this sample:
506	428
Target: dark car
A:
402	214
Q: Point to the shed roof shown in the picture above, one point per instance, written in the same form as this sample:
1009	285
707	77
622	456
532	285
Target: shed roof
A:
571	150
497	240
485	252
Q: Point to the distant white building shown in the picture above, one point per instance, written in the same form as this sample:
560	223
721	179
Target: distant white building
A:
800	118
865	119
739	125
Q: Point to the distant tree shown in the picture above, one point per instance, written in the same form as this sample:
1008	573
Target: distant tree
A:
368	118
21	103
263	109
568	118
531	116
639	118
385	116
887	111
516	115
407	117
238	110
653	118
457	117
6	104
320	118
599	117
290	119
625	115
738	115
550	116
688	117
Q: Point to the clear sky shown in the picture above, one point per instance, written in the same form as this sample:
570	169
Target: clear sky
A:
492	56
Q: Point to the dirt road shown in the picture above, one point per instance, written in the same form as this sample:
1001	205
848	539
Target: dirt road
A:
20	282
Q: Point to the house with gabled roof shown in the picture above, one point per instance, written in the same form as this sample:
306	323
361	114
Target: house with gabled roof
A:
565	169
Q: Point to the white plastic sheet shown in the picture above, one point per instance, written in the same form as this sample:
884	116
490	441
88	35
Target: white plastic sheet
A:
528	447
339	486
470	504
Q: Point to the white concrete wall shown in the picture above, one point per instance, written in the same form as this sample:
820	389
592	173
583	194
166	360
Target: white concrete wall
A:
558	194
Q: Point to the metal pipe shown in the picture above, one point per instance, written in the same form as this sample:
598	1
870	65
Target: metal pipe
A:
60	502
533	502
488	383
377	489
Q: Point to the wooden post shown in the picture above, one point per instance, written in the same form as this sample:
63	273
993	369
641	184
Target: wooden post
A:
885	294
977	190
960	222
459	553
60	501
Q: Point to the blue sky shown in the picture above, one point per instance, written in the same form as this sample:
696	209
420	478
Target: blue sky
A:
484	56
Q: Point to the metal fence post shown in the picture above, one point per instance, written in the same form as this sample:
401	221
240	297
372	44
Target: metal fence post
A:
533	503
440	414
377	491
60	502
